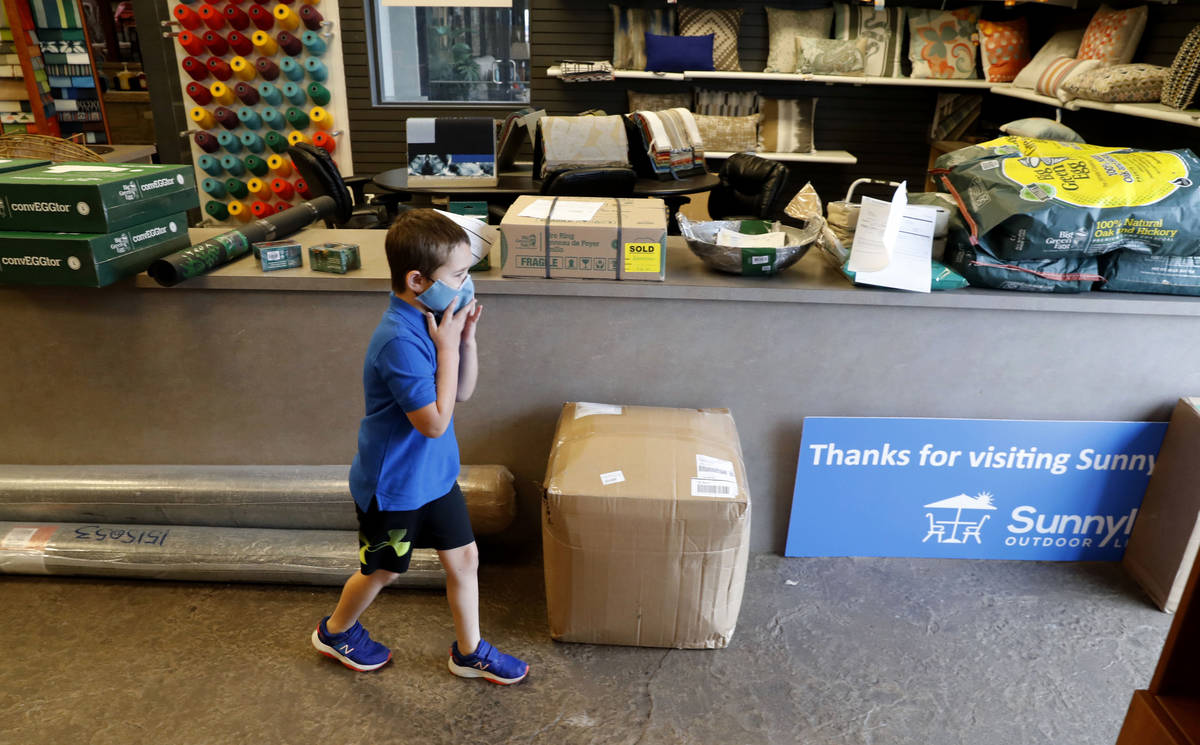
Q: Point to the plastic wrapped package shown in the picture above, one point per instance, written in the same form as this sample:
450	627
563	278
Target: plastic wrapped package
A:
185	552
701	238
287	497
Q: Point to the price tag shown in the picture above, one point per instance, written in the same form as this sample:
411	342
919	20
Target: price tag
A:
643	257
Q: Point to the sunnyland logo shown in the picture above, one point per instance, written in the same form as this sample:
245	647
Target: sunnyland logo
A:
961	519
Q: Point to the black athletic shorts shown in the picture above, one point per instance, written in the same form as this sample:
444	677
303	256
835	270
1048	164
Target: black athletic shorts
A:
386	538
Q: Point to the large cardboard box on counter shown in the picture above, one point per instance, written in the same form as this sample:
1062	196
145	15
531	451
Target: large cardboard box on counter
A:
1166	536
625	239
89	259
645	526
94	197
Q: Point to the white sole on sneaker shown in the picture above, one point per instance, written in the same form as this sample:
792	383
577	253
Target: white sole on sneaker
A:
471	672
332	653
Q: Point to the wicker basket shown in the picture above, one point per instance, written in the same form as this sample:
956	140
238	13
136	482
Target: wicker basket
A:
45	147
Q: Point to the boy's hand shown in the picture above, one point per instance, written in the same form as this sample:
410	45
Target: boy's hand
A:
468	334
447	334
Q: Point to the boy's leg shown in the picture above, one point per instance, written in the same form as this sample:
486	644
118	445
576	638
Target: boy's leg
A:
357	594
462	590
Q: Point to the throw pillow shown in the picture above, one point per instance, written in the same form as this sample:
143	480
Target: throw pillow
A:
722	25
880	32
1040	128
1113	35
678	53
1060	72
658	101
785	25
828	57
942	43
1062	44
728	134
787	125
1181	84
726	103
1136	83
1003	49
629	34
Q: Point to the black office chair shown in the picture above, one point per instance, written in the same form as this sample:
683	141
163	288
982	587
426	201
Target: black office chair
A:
751	187
356	208
590	182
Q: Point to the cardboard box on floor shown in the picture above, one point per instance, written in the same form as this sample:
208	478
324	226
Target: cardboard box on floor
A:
624	239
1166	536
645	526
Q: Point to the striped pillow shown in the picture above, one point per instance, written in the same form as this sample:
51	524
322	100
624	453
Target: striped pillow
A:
787	125
726	103
1059	72
723	24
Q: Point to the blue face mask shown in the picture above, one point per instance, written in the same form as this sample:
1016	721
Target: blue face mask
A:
441	296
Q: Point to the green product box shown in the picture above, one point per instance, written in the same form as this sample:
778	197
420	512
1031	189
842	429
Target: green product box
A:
337	258
89	259
472	208
94	197
20	164
278	255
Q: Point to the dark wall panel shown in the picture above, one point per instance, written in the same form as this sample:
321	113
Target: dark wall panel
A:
885	127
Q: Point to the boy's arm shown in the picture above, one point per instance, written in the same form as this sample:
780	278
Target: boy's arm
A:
433	420
468	365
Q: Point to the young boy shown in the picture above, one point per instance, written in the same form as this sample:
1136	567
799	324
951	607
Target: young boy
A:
421	359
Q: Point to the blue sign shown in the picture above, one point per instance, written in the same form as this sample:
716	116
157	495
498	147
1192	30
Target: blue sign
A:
970	488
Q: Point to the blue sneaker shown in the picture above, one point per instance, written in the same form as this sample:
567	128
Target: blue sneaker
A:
489	663
354	647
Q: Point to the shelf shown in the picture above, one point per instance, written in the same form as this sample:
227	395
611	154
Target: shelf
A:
1190	117
817	156
857	80
556	72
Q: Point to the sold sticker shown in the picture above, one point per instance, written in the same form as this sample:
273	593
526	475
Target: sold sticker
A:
643	257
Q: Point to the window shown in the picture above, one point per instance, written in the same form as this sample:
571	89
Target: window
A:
451	51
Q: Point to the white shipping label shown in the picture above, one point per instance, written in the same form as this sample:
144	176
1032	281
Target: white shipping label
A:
710	488
612	477
583	409
708	467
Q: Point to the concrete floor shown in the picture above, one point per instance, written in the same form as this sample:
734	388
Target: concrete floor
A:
827	652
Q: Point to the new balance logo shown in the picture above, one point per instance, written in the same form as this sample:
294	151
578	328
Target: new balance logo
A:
482	665
345	649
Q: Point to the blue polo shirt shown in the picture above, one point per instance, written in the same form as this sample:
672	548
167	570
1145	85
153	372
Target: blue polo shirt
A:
402	468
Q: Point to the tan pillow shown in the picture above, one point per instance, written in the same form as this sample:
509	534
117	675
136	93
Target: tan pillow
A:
787	125
723	24
728	134
1136	83
658	101
784	25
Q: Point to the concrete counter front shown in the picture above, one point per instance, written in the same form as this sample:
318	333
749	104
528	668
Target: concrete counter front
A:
241	367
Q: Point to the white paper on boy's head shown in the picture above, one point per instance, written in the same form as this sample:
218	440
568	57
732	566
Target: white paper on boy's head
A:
481	235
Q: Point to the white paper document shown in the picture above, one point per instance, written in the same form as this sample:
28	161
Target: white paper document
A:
893	243
539	209
734	239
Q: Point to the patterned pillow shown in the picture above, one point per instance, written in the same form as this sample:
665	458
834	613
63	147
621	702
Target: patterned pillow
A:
1061	71
1040	128
1003	49
728	134
1181	84
583	141
785	25
880	33
726	103
1113	35
629	28
723	25
942	43
1062	44
1136	83
828	57
787	125
658	101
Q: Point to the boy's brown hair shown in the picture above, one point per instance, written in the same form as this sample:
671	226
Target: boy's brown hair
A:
421	240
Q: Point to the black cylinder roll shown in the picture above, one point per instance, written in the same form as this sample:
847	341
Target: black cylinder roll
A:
221	249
